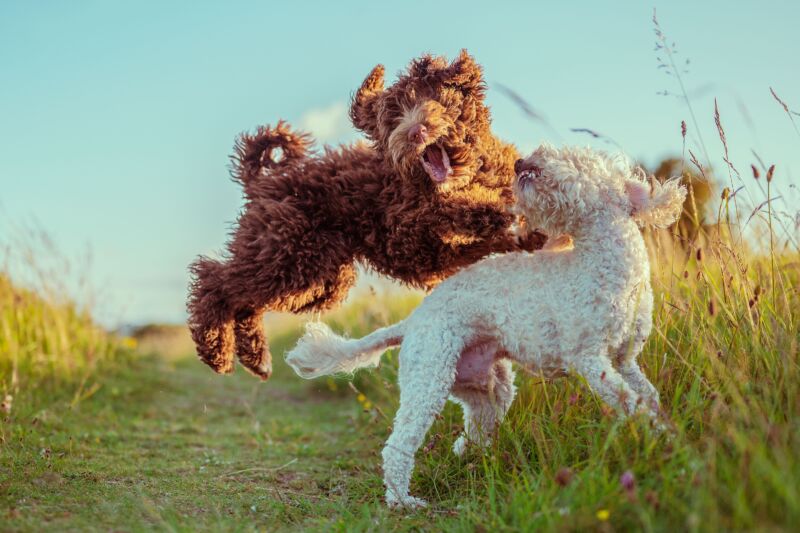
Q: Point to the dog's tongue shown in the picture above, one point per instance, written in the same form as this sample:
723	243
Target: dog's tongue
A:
436	163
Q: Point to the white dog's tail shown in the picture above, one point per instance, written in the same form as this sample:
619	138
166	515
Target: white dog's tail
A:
322	352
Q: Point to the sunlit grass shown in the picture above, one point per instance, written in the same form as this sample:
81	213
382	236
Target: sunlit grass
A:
49	347
723	354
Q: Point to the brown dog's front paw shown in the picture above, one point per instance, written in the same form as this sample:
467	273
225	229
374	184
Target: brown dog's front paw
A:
259	364
531	241
263	372
218	364
562	243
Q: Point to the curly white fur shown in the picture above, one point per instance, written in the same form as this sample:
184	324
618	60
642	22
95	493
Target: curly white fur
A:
588	310
321	352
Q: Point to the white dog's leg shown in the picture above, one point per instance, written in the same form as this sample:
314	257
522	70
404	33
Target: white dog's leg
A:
504	388
480	419
609	384
629	369
426	375
483	411
633	375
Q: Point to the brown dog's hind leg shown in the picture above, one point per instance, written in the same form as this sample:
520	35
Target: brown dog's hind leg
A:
251	342
210	324
215	346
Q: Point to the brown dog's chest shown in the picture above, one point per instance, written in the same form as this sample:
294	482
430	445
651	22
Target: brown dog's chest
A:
423	239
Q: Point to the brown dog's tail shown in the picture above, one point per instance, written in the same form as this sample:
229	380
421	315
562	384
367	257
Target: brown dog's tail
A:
210	321
256	153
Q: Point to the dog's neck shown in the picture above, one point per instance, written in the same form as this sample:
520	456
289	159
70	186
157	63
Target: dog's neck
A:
612	246
604	230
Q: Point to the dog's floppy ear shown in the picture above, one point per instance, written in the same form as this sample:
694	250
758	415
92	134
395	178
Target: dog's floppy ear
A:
656	204
465	72
362	107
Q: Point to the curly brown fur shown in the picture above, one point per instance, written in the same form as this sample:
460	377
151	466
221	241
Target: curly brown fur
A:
428	195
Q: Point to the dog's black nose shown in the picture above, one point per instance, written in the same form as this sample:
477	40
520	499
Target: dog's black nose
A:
518	165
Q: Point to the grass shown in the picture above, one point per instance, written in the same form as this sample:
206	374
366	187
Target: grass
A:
49	348
97	436
164	444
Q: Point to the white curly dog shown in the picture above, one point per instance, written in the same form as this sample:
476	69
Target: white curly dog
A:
586	310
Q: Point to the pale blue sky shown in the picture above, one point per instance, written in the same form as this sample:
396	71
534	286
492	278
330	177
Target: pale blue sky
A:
117	119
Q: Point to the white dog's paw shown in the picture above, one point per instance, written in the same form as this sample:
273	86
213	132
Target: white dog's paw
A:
405	502
654	404
661	427
460	445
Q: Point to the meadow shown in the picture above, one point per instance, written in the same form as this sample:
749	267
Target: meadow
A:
103	432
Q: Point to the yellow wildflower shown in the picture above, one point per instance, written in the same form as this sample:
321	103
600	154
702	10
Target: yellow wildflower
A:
129	342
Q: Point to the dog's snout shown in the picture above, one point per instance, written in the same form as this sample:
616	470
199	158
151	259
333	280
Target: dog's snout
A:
418	134
526	167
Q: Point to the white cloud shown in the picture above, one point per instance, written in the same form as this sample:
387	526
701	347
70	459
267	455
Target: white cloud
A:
328	125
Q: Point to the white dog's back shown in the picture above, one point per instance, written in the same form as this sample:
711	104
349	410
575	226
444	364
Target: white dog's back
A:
545	305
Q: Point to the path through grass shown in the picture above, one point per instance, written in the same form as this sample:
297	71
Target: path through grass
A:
172	446
164	444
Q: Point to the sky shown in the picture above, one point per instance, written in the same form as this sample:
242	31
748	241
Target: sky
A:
117	118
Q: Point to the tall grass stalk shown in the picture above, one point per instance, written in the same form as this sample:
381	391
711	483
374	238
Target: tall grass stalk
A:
49	346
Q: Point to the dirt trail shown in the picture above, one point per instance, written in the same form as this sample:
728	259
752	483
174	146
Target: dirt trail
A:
175	446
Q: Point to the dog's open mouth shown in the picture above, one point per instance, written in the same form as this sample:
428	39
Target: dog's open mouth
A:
436	163
527	174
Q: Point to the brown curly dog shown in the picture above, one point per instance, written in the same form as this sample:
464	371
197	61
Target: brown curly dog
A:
429	195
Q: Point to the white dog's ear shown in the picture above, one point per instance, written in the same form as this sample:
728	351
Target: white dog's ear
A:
657	204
